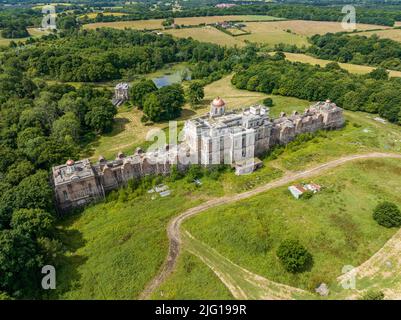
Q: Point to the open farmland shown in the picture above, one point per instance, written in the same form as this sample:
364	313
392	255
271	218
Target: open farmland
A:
309	28
393	34
263	29
207	34
353	68
191	21
294	32
94	14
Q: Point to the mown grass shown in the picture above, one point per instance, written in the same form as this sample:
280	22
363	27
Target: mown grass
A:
335	225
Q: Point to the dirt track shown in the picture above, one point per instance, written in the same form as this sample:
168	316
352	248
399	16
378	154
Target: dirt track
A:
173	228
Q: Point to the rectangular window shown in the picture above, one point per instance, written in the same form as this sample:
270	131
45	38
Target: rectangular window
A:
65	195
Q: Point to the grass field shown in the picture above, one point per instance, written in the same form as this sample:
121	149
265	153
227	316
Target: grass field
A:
353	68
157	23
94	14
192	280
263	30
34	32
335	225
293	32
207	34
393	34
309	28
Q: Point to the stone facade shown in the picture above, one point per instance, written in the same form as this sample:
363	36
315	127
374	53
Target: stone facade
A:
216	138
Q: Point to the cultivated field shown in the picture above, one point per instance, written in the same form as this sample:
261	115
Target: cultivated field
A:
157	23
309	28
94	14
267	31
272	34
294	32
207	34
393	34
353	68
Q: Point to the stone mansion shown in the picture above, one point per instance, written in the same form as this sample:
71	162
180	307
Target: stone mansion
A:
230	137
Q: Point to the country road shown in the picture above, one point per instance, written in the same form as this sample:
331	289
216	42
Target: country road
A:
173	228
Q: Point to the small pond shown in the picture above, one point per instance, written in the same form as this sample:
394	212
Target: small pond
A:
172	77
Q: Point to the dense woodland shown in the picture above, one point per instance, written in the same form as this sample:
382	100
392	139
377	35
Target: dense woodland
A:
40	126
373	92
108	54
372	50
14	22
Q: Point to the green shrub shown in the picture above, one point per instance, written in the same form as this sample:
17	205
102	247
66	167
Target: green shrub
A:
387	214
373	295
268	102
294	257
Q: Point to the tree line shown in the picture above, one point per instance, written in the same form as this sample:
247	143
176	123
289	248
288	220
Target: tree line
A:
373	93
41	125
109	54
372	51
14	22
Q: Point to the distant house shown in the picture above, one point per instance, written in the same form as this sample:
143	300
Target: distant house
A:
223	24
225	5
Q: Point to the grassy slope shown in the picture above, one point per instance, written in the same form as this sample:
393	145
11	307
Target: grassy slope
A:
94	236
115	248
192	280
336	225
